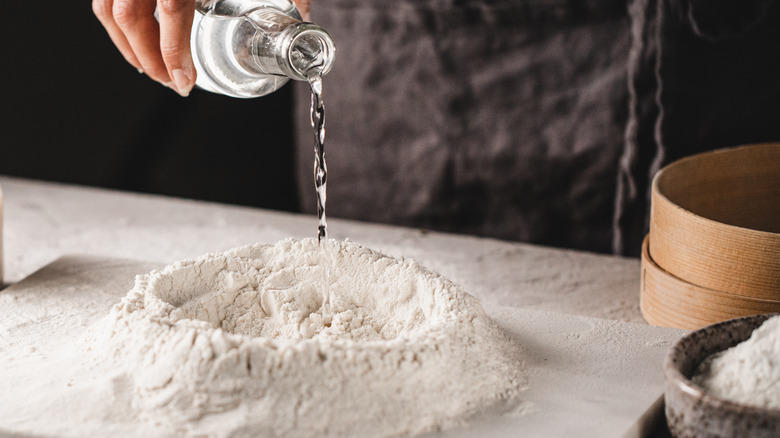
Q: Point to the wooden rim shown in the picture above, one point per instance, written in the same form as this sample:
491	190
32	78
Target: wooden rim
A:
666	300
715	220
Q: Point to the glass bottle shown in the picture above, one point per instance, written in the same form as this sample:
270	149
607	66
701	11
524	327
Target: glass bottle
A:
249	48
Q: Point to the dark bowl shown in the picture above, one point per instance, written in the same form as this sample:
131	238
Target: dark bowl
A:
690	411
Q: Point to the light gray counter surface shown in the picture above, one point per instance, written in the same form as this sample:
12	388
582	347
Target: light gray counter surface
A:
43	221
592	377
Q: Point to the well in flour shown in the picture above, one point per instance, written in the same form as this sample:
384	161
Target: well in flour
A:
236	344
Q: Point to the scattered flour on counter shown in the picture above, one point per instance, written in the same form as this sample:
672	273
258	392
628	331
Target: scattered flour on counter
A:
748	373
234	344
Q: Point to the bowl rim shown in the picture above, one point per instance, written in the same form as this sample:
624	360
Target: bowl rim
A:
674	376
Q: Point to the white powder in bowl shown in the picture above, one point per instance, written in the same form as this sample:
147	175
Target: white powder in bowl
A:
235	344
748	373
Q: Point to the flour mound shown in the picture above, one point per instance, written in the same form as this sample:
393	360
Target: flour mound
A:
236	344
748	373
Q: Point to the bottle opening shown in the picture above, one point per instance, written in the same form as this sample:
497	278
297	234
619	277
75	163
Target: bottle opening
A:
312	52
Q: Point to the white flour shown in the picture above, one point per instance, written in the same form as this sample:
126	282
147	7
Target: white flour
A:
235	344
748	373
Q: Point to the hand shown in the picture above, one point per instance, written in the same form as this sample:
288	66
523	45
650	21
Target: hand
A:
159	49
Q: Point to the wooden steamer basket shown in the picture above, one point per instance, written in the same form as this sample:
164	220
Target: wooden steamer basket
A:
713	252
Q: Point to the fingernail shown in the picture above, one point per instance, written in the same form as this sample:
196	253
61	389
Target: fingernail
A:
140	70
182	82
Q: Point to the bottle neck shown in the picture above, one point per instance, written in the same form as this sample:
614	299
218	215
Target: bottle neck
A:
283	45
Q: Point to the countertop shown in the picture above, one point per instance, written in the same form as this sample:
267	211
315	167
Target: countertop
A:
594	365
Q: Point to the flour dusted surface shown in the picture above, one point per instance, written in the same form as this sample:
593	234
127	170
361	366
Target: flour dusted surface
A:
235	344
748	373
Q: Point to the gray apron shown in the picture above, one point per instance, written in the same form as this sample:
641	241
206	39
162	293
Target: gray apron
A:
522	120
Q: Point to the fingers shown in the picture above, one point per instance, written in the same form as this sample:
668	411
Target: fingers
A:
175	26
103	10
135	19
161	49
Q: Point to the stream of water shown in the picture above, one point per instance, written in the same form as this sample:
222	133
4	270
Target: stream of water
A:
320	184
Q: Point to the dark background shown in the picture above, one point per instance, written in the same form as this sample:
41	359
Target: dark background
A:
74	111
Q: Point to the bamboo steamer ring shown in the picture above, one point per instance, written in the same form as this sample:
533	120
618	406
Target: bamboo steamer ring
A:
668	301
715	220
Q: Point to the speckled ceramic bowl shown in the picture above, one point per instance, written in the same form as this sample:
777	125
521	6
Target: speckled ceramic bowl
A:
690	411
